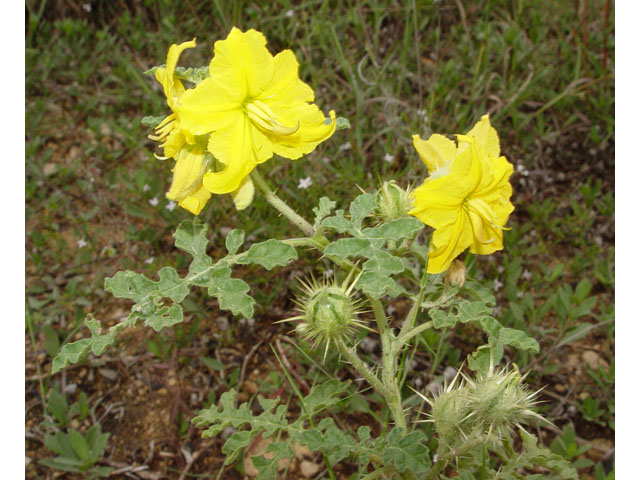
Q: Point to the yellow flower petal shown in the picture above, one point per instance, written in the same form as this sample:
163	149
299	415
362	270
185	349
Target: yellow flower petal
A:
447	244
196	202
187	173
172	86
314	129
436	152
285	86
243	196
486	137
240	147
467	198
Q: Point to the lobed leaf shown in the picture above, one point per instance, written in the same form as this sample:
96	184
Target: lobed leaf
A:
269	254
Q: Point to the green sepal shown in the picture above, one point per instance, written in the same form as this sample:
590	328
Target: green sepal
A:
342	123
152	122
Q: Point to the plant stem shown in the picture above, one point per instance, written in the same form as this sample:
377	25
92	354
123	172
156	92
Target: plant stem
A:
281	206
404	339
388	387
389	364
362	368
445	458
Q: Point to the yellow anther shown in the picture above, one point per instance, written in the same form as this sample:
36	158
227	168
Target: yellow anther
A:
265	118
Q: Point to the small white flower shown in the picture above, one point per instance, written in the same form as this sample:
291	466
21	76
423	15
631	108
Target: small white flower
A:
87	7
82	243
305	183
328	273
345	146
388	157
289	13
422	113
500	269
149	260
146	188
497	284
526	274
154	201
522	170
171	205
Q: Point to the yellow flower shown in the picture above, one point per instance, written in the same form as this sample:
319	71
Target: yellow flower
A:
169	131
253	105
466	196
191	165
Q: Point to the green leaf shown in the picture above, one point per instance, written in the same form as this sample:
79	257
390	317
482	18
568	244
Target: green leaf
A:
70	353
362	206
478	361
442	319
407	452
324	208
193	75
334	443
79	445
351	247
162	318
338	222
325	395
401	228
227	414
212	363
236	443
231	292
268	467
518	339
269	254
234	240
191	237
576	333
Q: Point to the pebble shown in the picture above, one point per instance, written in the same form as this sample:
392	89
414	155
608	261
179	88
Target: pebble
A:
308	469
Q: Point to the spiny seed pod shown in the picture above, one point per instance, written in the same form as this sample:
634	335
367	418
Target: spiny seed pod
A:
490	407
393	202
501	401
450	412
329	312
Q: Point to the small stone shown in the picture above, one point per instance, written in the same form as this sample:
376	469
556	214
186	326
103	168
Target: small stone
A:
108	373
593	360
308	469
250	387
449	373
559	388
434	387
223	323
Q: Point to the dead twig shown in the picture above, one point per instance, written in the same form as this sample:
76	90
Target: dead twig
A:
301	381
245	362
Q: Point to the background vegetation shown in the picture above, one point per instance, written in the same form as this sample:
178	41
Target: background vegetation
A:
95	204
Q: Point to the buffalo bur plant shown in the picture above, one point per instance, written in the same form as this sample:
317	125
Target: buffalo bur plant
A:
224	126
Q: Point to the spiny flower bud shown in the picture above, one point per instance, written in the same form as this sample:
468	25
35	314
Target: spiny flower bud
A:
328	311
456	274
393	202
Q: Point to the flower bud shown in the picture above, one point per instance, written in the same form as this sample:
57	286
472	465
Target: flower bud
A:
456	274
393	202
